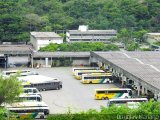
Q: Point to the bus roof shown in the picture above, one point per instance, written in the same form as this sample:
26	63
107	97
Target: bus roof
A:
27	104
88	71
97	74
127	99
83	68
15	71
113	89
34	79
29	95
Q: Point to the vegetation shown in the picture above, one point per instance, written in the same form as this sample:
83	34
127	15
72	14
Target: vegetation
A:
132	18
147	111
10	88
80	46
157	43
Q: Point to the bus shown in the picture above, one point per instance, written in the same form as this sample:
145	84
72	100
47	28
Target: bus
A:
102	94
29	97
41	82
129	102
26	110
12	72
84	68
97	78
78	73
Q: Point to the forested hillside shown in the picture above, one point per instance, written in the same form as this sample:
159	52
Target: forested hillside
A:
19	17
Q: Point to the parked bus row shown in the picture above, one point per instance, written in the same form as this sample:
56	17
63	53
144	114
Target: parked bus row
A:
115	96
28	105
92	75
33	79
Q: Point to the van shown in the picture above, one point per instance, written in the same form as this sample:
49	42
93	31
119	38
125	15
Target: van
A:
32	91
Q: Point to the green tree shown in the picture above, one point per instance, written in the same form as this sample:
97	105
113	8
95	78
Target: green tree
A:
10	88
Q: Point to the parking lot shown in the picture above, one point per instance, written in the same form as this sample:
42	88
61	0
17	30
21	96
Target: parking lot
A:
74	96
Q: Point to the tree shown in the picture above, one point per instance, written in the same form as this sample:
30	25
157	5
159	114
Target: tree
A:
10	88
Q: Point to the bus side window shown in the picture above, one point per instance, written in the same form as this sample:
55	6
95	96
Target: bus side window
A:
34	91
38	99
100	92
130	93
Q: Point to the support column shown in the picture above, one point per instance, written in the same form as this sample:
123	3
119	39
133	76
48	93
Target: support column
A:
31	61
138	90
46	62
143	90
124	78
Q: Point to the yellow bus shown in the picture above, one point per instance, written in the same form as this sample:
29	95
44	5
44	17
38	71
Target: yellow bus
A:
97	78
78	73
102	94
83	68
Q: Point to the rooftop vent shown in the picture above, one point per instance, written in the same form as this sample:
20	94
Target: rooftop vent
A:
83	27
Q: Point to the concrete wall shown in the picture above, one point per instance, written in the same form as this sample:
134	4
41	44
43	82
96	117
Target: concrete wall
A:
43	43
34	42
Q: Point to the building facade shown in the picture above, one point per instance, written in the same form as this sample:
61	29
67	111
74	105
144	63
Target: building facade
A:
85	35
42	39
152	37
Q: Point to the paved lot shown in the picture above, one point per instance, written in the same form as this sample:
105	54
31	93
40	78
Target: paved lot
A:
74	96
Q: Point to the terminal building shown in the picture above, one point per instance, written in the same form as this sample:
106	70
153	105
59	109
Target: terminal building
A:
83	34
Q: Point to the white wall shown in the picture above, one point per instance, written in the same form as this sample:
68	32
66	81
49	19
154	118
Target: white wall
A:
34	42
43	43
67	36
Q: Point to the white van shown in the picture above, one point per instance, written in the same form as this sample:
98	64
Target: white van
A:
32	91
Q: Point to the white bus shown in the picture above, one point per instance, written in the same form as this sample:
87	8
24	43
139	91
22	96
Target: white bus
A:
83	68
41	82
110	93
97	78
28	97
19	72
24	110
78	73
11	72
129	102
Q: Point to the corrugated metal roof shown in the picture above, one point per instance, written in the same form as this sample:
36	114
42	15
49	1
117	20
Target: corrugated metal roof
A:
61	54
15	48
144	65
93	32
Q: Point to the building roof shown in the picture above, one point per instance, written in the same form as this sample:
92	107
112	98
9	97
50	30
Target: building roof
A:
93	32
61	54
153	33
44	34
15	49
142	65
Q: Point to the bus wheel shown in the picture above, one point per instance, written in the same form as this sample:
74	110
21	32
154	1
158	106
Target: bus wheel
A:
90	82
125	97
107	98
103	98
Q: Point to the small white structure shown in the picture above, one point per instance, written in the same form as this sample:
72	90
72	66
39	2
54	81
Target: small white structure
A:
152	37
42	39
